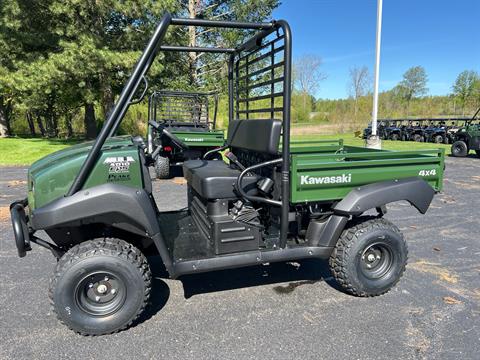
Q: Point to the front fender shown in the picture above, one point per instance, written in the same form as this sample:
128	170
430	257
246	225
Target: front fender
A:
414	190
112	204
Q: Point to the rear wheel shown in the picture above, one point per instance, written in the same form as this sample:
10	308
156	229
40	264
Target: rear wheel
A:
395	137
438	139
162	167
369	258
100	287
478	153
459	149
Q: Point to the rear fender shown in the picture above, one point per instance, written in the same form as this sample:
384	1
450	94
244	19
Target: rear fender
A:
414	190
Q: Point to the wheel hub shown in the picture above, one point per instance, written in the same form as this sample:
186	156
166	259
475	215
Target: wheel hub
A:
376	260
100	294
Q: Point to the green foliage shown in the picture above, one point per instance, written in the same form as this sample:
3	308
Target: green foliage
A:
466	87
59	56
413	84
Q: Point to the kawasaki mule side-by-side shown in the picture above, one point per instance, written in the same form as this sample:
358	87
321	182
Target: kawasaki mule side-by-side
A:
467	138
186	115
275	201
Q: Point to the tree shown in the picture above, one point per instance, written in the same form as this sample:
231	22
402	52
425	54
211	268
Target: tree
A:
77	54
201	70
359	84
5	115
413	85
307	75
464	87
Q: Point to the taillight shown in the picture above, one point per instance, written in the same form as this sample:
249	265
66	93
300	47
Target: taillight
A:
167	148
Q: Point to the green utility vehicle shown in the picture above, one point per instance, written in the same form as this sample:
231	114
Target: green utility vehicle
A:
186	115
467	138
275	201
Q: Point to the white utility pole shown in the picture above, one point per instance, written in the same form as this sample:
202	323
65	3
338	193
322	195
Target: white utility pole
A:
374	140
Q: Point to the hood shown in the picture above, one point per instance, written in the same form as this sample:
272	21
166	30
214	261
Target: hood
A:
51	176
74	151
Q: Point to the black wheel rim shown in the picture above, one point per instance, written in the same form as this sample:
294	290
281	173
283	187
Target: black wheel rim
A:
376	261
100	293
458	149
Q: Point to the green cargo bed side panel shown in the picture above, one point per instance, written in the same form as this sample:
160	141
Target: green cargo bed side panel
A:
331	176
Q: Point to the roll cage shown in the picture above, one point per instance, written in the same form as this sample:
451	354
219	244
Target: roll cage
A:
182	108
257	75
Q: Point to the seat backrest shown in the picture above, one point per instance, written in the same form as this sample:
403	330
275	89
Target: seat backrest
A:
261	135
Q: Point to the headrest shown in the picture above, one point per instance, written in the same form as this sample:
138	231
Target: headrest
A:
262	135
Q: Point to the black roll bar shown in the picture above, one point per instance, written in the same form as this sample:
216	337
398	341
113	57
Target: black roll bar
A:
220	24
197	49
287	81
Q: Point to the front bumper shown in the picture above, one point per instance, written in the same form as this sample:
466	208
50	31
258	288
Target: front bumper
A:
20	226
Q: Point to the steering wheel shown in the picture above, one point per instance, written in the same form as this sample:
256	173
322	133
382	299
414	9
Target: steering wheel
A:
175	140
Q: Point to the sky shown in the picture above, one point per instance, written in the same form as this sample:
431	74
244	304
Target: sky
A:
443	36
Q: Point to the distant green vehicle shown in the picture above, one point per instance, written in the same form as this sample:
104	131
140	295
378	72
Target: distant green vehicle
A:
275	200
184	116
467	138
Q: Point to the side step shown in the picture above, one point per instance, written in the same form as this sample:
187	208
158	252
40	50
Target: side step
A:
249	259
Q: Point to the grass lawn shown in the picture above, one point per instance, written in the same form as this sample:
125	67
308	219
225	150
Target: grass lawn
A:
19	151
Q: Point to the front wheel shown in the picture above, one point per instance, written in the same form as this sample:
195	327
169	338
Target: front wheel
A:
459	149
100	286
478	153
438	139
369	258
394	137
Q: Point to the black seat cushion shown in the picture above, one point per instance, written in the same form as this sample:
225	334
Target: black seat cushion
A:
214	179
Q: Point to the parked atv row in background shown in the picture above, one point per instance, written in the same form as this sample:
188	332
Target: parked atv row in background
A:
463	133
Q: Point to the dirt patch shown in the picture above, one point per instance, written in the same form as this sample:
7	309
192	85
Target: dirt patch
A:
449	232
451	300
4	213
466	185
16	183
447	199
417	340
434	269
179	181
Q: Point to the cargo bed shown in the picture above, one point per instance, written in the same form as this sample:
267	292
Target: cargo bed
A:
324	171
